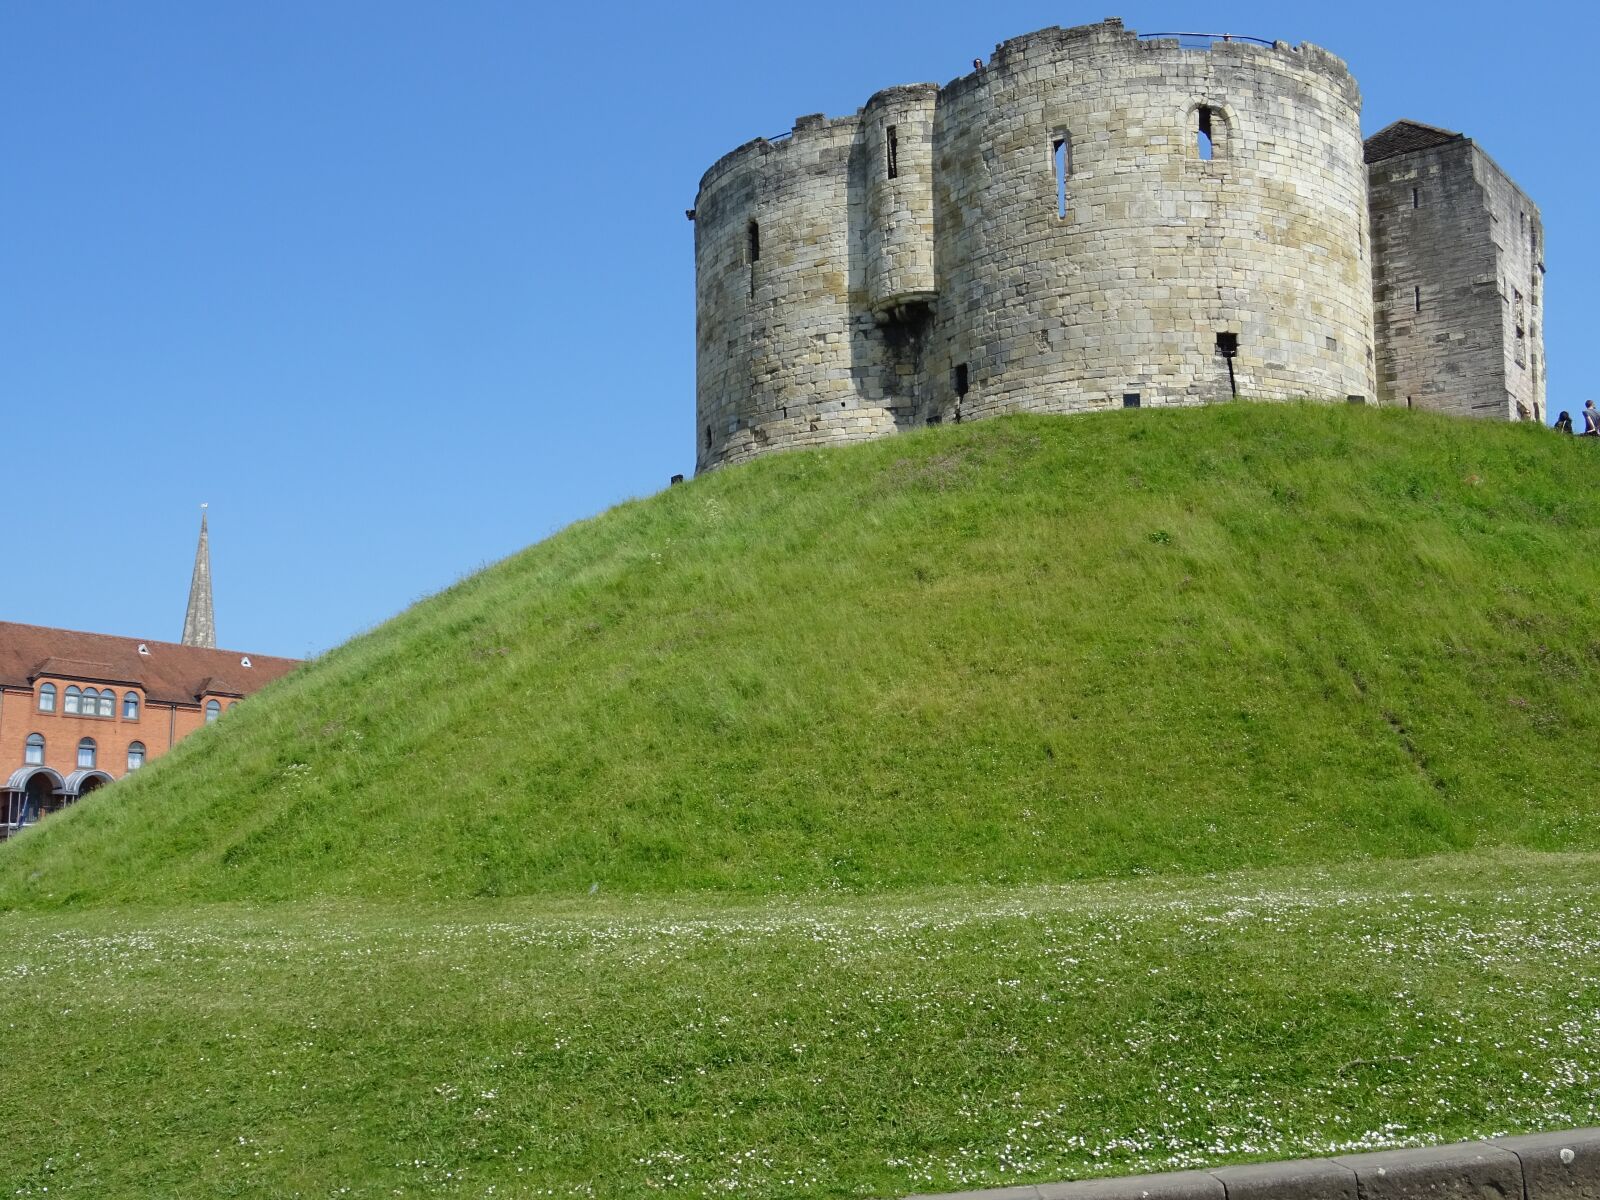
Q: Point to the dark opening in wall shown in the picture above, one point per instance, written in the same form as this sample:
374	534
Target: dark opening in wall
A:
754	247
1332	343
1416	197
1416	299
708	437
959	379
1228	349
1202	133
891	151
1061	162
1130	399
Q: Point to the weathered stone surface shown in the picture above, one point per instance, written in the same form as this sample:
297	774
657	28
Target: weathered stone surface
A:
918	261
1463	1171
1302	1179
1458	281
1010	1193
1558	1166
1173	1185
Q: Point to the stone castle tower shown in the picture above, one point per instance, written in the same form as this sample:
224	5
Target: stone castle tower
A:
1095	219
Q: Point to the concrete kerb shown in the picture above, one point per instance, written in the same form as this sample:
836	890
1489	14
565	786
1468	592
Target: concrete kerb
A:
1543	1166
1558	1166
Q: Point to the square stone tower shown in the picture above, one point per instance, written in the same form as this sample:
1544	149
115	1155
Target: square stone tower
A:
1457	277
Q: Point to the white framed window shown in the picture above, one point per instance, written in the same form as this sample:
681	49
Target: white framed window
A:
213	710
33	753
130	706
86	749
74	699
47	697
135	755
108	703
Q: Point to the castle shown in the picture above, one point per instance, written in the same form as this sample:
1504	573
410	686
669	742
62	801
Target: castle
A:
1097	219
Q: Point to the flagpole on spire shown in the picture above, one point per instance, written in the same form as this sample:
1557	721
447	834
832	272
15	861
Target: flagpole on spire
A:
199	621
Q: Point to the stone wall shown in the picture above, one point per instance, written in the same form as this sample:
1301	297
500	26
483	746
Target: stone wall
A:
956	288
1458	286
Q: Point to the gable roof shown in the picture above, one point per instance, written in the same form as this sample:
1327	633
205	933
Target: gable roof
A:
170	673
1402	137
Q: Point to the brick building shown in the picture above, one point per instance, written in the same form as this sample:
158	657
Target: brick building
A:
79	710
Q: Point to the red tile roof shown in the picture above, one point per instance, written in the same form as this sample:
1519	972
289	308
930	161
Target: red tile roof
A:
169	673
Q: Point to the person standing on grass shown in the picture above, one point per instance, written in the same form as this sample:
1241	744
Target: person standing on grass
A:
1591	419
1564	422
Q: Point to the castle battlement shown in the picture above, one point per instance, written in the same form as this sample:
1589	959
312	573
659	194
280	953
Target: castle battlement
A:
1091	219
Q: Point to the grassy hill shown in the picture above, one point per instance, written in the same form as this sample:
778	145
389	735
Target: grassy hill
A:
1025	650
1026	800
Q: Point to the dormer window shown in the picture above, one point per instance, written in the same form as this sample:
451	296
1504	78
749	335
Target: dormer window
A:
213	710
245	661
47	698
130	706
74	699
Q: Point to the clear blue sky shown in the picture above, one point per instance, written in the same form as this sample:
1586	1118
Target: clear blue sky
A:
400	288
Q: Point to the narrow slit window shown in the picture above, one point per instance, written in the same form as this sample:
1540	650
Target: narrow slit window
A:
961	379
754	236
1202	133
1416	197
891	151
1416	299
1061	160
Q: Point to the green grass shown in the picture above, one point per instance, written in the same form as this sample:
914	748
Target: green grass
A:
1023	650
831	1046
1025	800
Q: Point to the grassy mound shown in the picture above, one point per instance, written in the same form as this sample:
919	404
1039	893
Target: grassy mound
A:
1021	651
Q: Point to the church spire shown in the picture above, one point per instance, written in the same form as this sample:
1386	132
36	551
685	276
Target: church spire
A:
199	622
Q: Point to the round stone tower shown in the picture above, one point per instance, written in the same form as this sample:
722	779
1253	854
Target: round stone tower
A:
1092	220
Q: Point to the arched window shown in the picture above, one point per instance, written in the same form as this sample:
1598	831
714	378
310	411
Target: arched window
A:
130	706
232	704
213	710
91	701
33	753
108	703
1061	164
74	698
135	756
86	754
47	698
1210	133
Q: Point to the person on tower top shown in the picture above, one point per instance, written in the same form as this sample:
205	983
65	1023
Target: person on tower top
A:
1591	419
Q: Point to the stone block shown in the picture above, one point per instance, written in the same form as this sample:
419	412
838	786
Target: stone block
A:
1174	1185
1463	1171
1558	1166
1302	1179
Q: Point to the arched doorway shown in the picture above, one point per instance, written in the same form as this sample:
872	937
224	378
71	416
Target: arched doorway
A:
38	798
92	783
